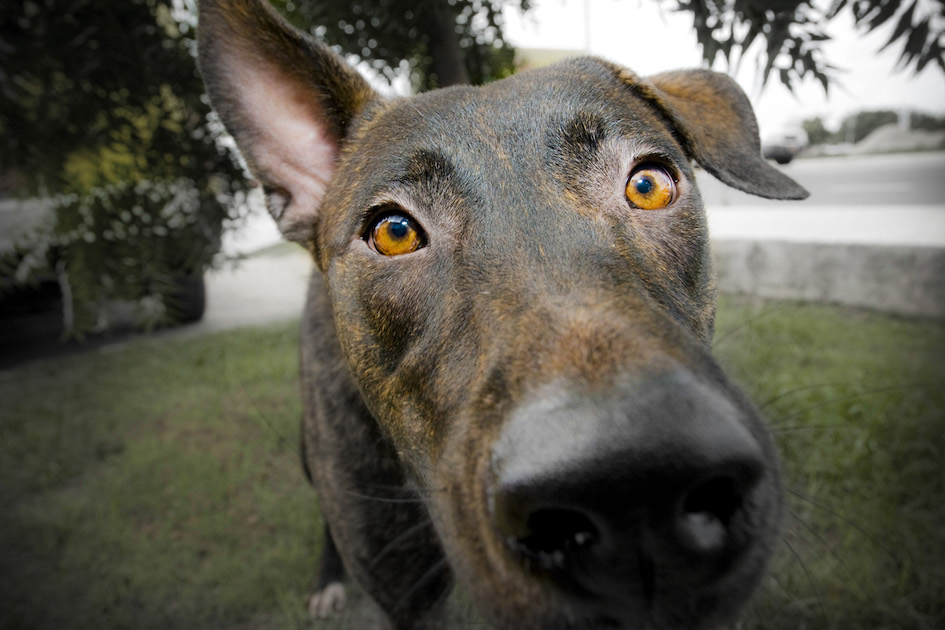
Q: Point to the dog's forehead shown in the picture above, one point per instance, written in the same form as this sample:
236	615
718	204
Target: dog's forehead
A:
497	146
521	112
523	128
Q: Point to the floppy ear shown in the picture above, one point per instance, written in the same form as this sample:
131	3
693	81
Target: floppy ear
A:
717	125
286	99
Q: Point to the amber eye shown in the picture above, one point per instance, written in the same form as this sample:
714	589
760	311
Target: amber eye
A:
395	234
651	187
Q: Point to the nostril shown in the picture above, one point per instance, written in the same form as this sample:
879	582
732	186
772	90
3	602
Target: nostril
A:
707	513
551	535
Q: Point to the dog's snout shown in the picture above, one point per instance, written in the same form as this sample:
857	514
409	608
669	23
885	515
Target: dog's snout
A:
704	514
631	495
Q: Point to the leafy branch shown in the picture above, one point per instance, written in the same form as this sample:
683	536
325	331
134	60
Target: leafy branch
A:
793	32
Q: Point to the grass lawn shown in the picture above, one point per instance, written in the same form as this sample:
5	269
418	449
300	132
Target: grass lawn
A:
157	484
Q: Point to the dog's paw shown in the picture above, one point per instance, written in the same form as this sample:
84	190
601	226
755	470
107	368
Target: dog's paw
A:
328	601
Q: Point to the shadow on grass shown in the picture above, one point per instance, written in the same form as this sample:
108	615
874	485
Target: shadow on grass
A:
158	485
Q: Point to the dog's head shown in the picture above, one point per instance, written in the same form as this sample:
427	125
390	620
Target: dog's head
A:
521	283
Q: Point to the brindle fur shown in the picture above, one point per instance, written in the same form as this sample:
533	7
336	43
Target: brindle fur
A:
547	327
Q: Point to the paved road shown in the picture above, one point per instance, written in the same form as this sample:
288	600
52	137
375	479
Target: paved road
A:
869	180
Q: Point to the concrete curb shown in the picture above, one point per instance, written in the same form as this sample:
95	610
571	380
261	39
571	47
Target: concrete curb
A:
907	280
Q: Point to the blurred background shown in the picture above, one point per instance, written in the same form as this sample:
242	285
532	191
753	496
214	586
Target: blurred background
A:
153	481
119	189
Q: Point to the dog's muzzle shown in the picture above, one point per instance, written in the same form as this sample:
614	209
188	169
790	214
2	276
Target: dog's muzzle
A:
629	499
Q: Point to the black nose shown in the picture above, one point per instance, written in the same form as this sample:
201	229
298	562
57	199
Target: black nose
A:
643	492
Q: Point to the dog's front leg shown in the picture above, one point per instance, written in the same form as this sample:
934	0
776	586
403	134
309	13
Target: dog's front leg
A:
329	597
378	523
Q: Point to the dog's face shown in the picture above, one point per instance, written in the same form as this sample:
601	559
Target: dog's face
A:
530	329
520	280
475	259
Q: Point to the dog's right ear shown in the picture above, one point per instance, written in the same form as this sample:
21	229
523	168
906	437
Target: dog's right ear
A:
286	99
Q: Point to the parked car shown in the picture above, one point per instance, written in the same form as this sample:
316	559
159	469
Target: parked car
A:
784	145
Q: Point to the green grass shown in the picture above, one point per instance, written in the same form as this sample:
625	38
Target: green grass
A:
857	403
157	485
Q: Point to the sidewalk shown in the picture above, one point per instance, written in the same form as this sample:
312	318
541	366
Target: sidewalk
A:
256	291
906	226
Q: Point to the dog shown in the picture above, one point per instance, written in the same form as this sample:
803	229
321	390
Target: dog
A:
505	352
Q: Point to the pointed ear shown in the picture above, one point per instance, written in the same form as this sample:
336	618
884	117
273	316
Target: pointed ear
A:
717	125
286	99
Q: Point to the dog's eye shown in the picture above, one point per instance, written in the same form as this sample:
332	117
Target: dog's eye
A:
651	187
395	234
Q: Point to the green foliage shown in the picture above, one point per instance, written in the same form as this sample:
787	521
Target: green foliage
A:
428	36
131	240
920	27
817	133
103	79
859	125
929	122
793	32
102	117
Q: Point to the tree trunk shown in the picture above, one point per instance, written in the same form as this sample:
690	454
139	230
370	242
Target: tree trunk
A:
447	67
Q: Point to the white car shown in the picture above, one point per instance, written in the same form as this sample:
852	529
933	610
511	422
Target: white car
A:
783	146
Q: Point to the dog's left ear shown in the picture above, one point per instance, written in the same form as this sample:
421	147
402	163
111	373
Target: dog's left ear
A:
286	99
717	125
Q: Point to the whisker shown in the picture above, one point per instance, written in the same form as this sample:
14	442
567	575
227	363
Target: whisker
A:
431	573
269	425
841	399
810	580
799	390
409	494
833	513
401	537
380	499
814	427
825	544
744	325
